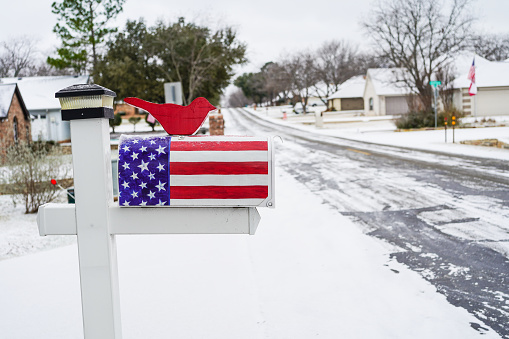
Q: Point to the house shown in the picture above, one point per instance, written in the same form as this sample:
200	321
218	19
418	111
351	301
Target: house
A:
385	93
14	118
492	80
349	97
39	96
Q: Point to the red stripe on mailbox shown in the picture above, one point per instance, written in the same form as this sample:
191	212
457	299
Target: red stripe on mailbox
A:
218	192
190	146
220	168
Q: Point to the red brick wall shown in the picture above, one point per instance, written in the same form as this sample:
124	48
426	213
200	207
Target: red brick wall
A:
7	127
216	124
130	111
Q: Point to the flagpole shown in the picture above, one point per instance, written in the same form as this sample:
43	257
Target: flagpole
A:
475	105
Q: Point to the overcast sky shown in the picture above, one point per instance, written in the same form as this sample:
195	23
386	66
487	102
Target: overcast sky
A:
269	27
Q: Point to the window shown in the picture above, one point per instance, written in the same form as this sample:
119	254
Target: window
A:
15	126
370	104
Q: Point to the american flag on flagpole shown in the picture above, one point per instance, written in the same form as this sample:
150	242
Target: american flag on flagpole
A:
472	90
194	171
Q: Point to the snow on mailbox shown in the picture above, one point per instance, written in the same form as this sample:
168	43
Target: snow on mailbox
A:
196	171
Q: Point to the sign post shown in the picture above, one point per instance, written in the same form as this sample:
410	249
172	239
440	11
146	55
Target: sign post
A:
96	219
435	85
453	123
445	124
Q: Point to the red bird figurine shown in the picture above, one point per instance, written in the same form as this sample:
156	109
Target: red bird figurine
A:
176	119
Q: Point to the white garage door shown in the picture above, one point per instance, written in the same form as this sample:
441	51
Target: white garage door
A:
492	102
396	105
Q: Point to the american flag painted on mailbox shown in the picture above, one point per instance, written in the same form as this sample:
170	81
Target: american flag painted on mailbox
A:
196	171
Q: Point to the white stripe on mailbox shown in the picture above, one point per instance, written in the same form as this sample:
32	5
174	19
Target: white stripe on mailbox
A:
219	180
218	156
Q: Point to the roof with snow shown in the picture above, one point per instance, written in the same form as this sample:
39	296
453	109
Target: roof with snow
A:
352	88
487	73
39	92
6	94
388	81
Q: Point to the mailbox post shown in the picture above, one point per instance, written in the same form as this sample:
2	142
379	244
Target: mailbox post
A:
96	219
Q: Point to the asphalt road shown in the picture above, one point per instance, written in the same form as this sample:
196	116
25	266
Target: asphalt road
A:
447	217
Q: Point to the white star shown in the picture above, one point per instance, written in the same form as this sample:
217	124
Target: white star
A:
143	185
135	141
143	203
161	186
161	203
134	194
160	167
151	176
152	142
126	185
134	155
126	203
143	148
151	195
143	166
126	148
134	176
125	165
161	149
152	156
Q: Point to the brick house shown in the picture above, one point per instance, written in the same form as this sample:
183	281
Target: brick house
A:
14	118
39	97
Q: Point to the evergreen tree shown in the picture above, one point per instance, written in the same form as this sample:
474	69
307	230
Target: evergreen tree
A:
82	27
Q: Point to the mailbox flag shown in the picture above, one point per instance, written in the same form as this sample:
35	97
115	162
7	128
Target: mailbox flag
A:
193	171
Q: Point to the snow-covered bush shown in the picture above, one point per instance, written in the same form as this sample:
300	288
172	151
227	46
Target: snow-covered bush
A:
30	169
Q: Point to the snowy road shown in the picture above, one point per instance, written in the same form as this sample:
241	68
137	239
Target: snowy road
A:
446	216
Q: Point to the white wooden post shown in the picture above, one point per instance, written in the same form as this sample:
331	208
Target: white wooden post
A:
96	246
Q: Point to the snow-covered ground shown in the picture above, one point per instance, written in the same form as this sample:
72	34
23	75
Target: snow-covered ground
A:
381	130
308	272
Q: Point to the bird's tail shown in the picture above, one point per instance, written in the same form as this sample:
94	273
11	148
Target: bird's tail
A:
147	106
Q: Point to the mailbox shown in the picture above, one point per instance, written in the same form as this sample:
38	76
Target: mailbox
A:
196	171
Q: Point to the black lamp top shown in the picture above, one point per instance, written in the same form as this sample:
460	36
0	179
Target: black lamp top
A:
81	90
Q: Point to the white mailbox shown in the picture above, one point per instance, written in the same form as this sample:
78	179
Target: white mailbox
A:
196	171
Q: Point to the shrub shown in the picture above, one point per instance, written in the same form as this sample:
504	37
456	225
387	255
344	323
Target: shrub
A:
30	169
116	121
134	121
419	119
152	125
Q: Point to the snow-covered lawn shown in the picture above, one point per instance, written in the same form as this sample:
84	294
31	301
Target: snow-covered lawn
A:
308	272
372	129
19	234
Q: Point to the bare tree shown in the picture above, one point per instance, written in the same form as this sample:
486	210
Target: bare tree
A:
337	61
277	82
494	47
17	56
238	99
302	68
445	75
420	36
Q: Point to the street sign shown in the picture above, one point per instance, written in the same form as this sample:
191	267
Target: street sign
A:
173	93
435	83
195	171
